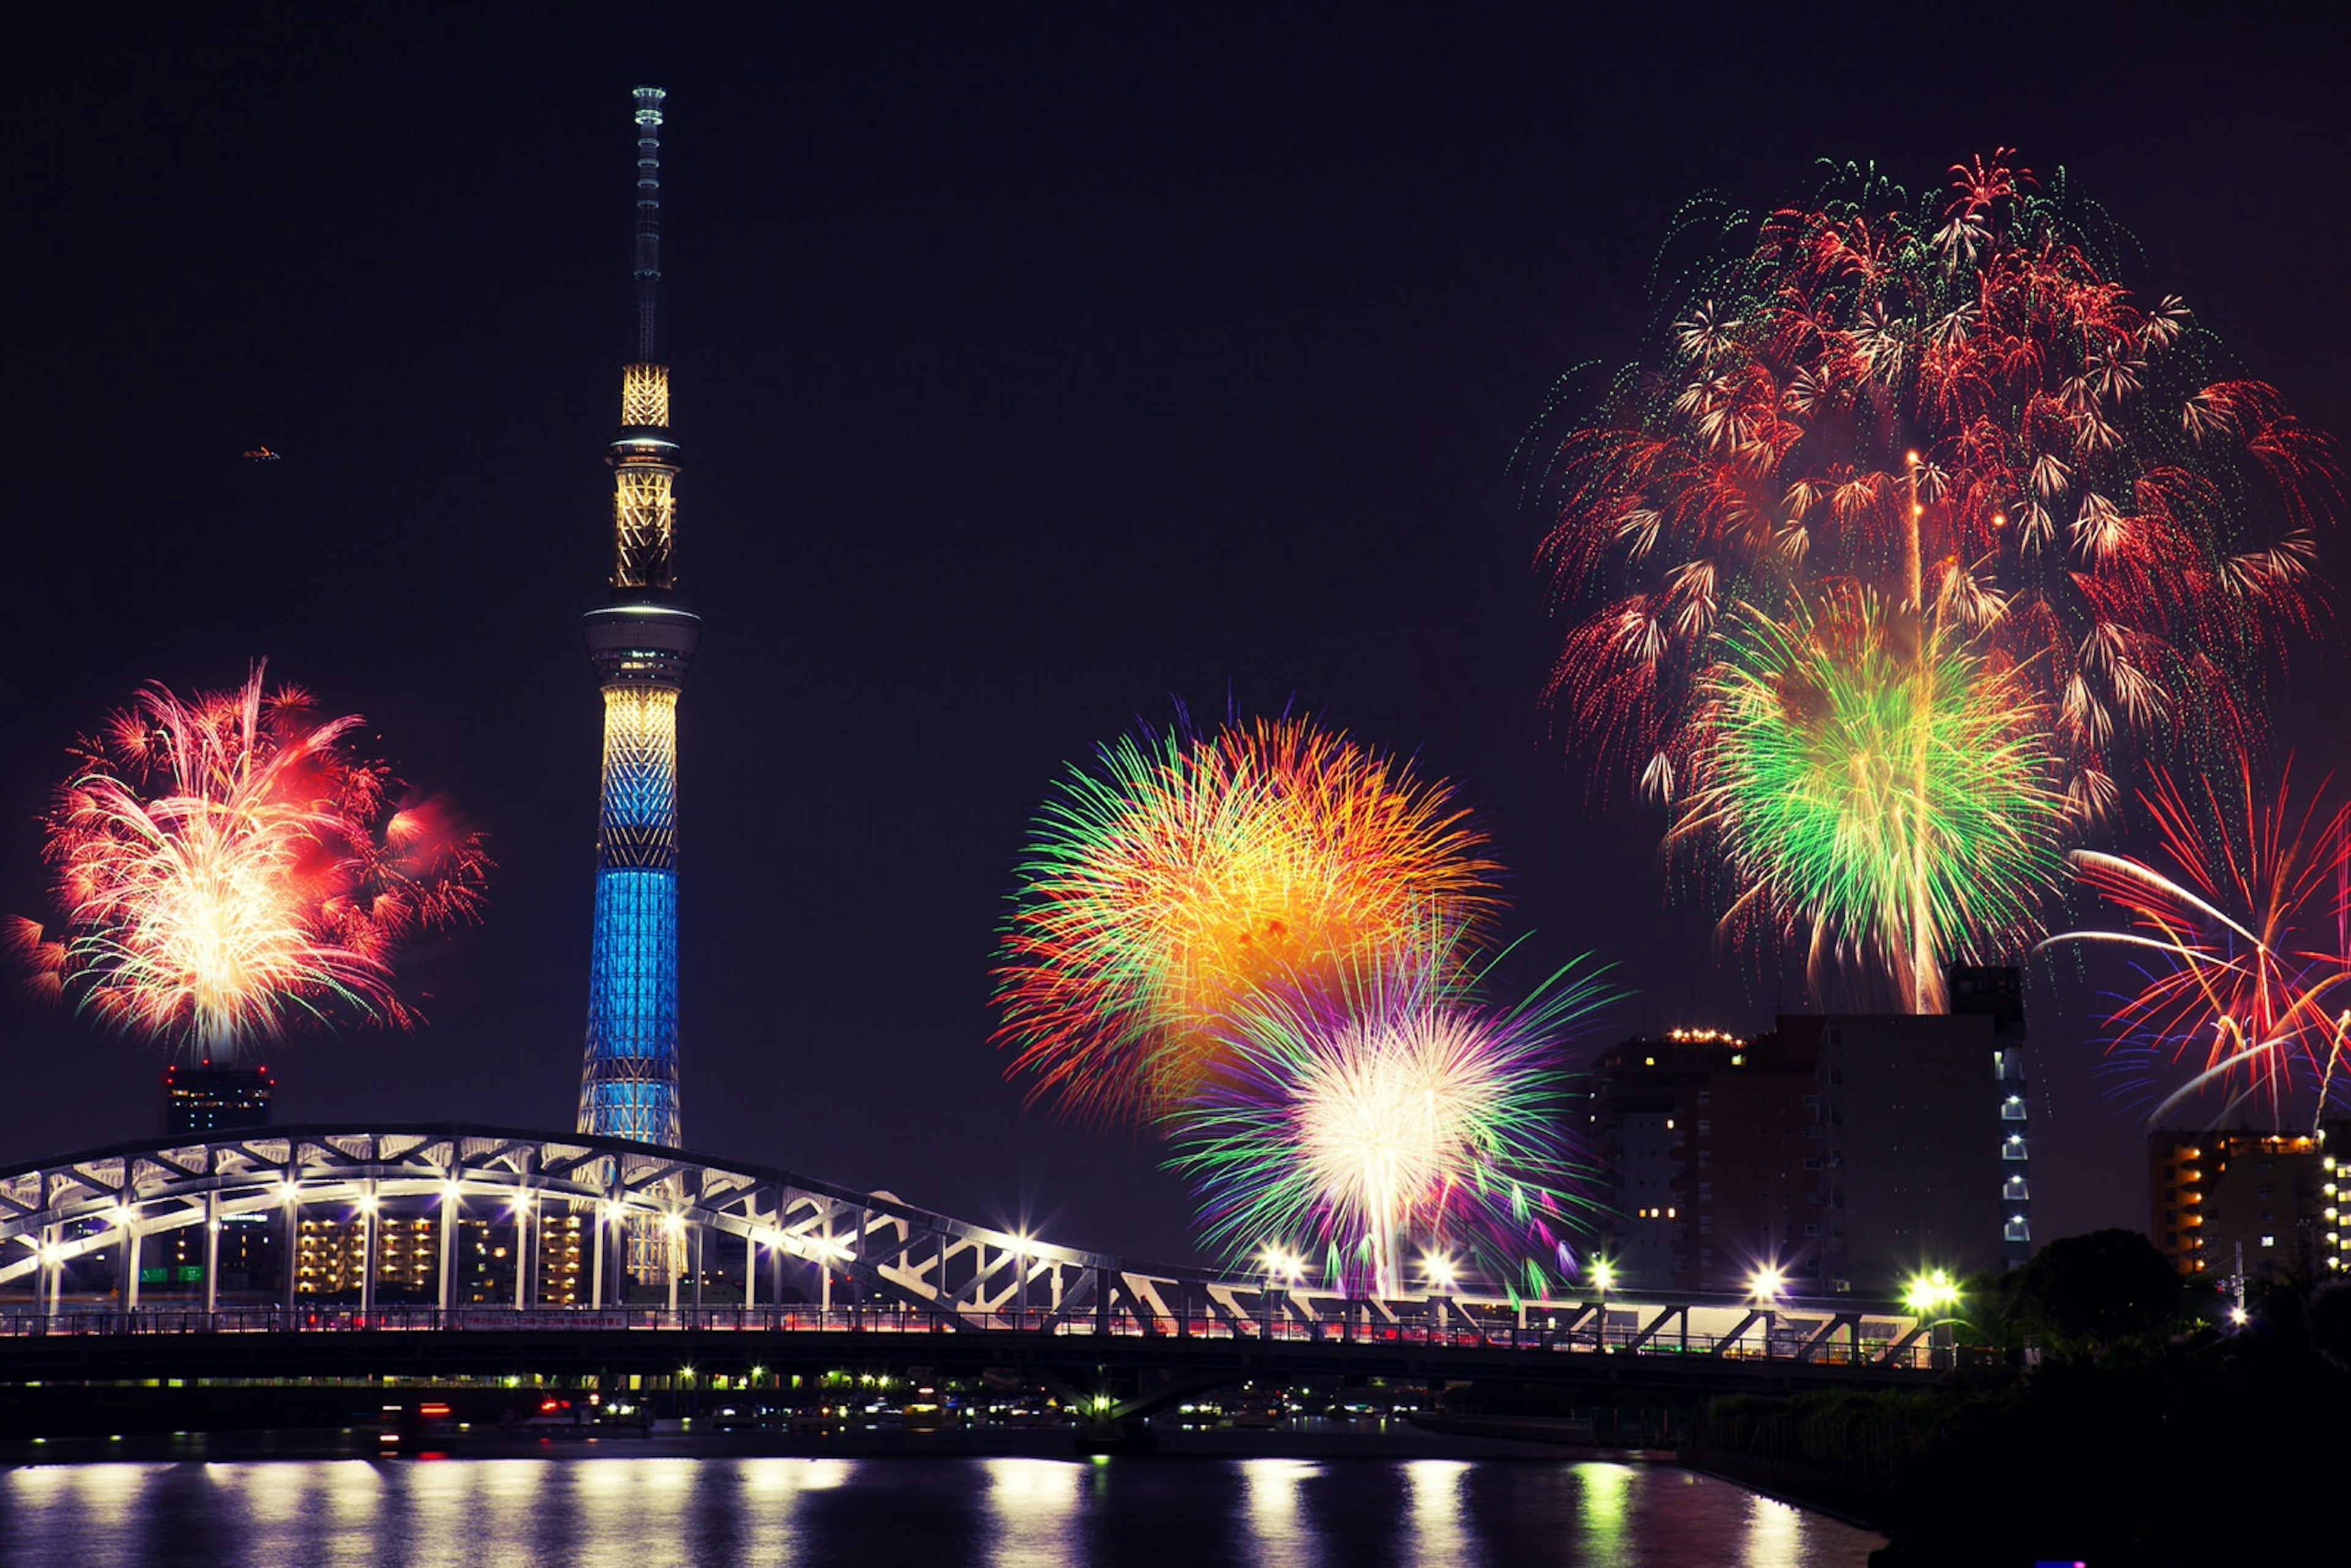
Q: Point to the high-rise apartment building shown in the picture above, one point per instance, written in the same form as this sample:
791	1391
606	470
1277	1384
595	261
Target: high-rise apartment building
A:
1847	1151
205	1099
2268	1203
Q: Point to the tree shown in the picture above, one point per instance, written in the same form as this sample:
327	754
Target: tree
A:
2088	1293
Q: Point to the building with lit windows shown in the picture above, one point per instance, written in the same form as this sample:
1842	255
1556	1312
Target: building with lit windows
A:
2263	1203
1847	1151
208	1099
333	1252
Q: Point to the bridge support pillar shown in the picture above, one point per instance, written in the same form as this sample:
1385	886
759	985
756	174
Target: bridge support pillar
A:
449	1221
53	1268
701	1233
750	1269
293	1236
522	1214
367	1253
130	1267
212	1252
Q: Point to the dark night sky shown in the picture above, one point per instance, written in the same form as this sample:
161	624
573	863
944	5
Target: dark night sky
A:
1028	376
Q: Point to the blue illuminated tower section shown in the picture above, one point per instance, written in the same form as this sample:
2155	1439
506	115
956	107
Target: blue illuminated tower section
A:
642	644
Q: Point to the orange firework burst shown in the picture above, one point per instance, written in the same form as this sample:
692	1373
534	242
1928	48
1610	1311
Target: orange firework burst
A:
1188	870
224	864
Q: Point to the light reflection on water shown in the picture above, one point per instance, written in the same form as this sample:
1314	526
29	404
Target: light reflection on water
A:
1034	1505
1441	1521
665	1513
1603	1496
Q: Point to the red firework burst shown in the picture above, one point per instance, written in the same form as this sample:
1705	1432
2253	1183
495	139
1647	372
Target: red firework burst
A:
224	862
2238	929
2100	503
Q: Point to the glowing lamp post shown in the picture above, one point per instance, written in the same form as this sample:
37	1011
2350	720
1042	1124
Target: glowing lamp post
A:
1934	1296
1442	1275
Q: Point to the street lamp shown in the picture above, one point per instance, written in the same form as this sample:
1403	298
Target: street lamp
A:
1931	1294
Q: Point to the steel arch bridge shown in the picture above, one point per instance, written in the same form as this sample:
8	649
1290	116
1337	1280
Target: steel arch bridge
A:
789	1239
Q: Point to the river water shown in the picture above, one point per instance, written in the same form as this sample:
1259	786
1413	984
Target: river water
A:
662	1512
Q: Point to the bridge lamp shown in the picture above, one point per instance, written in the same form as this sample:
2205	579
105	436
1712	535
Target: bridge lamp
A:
1604	1275
367	1204
1441	1272
453	1190
1768	1282
612	1214
52	1253
118	1214
1931	1293
288	1189
674	1225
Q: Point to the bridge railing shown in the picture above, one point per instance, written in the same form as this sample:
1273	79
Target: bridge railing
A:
1793	1340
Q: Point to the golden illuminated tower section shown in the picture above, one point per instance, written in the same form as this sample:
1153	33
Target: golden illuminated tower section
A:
642	644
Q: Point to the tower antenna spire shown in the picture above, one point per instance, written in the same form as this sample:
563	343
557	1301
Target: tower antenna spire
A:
647	266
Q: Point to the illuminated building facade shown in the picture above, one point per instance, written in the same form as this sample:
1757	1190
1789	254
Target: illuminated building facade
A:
208	1099
2268	1203
333	1254
642	644
1848	1152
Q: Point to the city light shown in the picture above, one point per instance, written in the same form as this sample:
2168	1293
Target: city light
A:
1932	1293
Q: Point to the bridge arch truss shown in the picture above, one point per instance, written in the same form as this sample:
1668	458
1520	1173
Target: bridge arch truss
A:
787	1239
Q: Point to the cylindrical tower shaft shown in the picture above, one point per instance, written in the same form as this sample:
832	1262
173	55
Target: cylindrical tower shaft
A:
642	644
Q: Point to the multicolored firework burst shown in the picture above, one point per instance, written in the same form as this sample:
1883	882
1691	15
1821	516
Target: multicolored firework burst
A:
2242	931
224	864
1384	1108
1896	799
2097	502
1185	870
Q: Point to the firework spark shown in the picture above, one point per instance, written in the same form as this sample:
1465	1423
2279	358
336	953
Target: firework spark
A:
2238	929
224	864
2096	501
1893	800
1185	870
1384	1108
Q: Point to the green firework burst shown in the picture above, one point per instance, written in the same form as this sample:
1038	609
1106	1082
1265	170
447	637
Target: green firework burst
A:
1897	803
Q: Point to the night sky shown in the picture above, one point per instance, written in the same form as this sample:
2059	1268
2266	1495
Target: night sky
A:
1030	378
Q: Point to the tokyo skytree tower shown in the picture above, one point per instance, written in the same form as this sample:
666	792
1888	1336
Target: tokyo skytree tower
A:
643	644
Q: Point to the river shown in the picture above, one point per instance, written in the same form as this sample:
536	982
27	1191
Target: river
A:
1018	1512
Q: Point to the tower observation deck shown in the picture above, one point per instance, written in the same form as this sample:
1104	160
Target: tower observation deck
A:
641	644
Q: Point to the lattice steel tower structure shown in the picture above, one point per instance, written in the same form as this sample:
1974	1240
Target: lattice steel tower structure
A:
643	644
